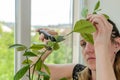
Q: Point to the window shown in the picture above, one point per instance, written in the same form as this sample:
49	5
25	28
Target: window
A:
27	22
55	15
7	22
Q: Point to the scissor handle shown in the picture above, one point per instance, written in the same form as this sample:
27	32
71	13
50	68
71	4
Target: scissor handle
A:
47	35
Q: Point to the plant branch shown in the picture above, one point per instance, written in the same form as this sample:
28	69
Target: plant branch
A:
36	63
29	66
68	34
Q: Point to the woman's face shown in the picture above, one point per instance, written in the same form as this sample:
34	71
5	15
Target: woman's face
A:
88	53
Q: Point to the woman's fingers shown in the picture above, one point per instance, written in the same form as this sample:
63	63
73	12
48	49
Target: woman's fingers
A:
100	22
103	28
90	17
52	32
97	22
42	36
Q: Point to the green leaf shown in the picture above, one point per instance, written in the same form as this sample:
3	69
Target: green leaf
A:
50	43
46	68
21	72
95	12
15	45
37	46
46	76
53	45
39	65
97	5
84	26
56	46
63	78
98	10
30	54
84	12
27	61
59	38
88	37
37	52
19	47
106	16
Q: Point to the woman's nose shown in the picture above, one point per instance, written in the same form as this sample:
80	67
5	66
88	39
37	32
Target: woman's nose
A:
89	48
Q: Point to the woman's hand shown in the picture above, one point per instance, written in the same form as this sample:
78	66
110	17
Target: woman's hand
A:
103	47
102	36
42	36
103	29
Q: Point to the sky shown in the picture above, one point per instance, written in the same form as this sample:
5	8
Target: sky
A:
43	12
7	11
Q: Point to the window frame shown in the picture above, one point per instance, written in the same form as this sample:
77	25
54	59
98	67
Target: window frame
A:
77	8
23	29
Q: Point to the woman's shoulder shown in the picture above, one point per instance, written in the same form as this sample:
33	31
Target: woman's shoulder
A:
78	68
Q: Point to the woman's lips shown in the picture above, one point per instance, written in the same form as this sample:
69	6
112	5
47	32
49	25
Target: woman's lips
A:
91	58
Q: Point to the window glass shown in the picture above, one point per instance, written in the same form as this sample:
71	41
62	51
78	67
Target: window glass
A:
7	21
55	15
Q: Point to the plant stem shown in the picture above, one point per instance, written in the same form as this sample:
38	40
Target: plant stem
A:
36	63
68	34
38	77
29	67
42	63
33	71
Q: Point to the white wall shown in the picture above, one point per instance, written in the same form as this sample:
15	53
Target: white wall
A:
110	7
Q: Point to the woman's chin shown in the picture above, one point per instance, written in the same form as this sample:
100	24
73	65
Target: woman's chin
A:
92	67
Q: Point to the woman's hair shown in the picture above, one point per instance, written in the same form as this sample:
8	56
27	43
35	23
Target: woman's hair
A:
115	34
86	73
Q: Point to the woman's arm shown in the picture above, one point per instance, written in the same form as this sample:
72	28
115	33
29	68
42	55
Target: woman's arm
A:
57	71
104	66
102	44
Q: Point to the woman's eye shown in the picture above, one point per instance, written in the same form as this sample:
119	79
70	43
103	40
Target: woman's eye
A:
82	43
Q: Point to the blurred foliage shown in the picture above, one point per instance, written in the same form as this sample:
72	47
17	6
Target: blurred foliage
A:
1	28
63	55
6	56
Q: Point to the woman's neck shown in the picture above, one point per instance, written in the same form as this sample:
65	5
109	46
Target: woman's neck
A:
93	75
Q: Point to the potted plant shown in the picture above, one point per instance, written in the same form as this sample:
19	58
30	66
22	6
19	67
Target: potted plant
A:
36	50
84	27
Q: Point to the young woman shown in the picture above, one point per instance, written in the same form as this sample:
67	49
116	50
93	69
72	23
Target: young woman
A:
102	58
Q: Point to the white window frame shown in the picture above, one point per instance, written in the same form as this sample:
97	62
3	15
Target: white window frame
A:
78	5
23	29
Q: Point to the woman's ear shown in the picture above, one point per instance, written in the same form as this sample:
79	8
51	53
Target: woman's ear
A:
117	44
